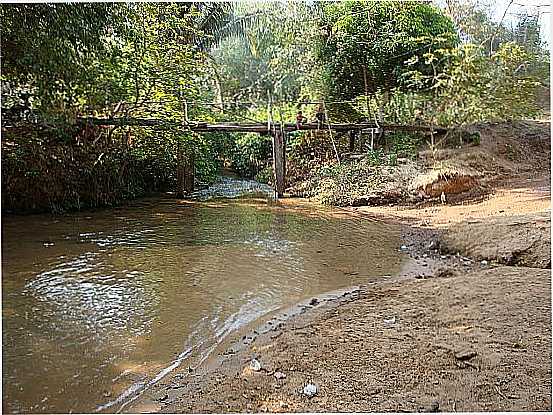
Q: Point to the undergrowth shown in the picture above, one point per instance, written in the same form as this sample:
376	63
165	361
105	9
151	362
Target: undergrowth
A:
352	183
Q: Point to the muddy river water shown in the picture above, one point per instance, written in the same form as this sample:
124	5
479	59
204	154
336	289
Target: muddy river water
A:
97	305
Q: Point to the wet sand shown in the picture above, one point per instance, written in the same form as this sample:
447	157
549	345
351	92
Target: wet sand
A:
449	333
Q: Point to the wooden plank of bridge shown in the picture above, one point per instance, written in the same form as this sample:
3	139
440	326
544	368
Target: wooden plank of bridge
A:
254	127
279	160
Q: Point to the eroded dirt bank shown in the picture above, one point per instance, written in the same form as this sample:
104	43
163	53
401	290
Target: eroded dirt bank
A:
451	333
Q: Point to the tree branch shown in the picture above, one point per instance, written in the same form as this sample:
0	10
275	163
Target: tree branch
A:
498	26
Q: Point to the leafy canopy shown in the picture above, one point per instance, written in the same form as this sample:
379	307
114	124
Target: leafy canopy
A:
271	54
363	45
473	87
51	46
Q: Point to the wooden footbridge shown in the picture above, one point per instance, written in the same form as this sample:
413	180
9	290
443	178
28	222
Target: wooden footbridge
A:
279	132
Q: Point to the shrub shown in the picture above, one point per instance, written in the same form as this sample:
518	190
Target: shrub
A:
356	183
250	154
404	144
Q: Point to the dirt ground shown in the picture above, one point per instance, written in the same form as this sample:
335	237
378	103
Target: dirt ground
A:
524	194
461	329
360	361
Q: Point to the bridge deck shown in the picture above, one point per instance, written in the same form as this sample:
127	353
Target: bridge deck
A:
253	127
279	146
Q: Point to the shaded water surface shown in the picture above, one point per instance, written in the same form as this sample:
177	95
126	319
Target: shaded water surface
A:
97	305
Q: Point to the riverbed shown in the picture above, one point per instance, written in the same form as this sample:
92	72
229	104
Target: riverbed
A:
98	306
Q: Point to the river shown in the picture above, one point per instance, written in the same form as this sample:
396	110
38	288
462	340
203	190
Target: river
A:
97	305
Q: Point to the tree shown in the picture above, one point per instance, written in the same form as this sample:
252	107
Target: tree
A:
135	59
271	55
363	45
49	47
475	25
473	87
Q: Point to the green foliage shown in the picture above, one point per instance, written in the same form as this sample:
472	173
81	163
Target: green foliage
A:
475	25
365	44
473	87
375	157
271	57
403	144
83	58
266	175
60	61
110	60
207	150
50	47
41	174
245	75
251	153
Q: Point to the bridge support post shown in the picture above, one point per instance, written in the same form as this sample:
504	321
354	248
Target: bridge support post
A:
189	170
279	160
352	134
180	170
185	170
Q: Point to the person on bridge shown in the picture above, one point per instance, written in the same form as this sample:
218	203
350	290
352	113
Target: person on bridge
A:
320	115
299	120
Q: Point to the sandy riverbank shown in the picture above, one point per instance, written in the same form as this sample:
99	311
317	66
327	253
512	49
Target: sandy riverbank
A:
449	334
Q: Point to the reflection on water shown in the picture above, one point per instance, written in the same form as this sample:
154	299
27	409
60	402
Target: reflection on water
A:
96	305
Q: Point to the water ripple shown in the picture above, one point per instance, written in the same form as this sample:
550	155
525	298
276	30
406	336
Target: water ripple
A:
123	297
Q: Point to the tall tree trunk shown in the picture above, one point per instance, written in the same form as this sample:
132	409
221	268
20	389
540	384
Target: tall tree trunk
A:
351	134
383	103
366	92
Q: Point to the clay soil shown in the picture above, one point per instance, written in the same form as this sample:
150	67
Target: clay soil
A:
465	327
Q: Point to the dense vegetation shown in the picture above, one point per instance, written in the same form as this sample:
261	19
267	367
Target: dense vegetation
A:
401	62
